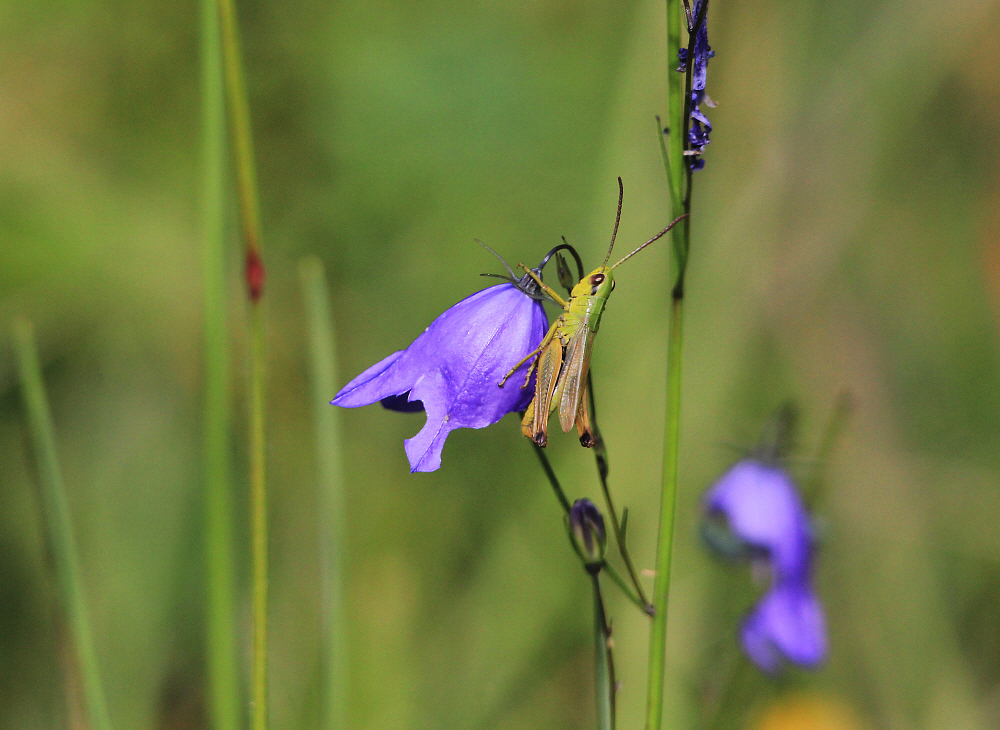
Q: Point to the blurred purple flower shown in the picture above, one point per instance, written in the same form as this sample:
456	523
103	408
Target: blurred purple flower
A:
764	511
766	517
452	369
699	128
786	626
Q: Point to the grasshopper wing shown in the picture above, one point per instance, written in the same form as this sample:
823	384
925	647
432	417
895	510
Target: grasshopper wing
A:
536	417
573	382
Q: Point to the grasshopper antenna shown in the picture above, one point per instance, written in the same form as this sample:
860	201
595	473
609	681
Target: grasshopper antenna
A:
659	235
618	219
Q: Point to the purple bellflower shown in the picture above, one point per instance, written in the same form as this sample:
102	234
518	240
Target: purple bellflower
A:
766	517
452	369
699	128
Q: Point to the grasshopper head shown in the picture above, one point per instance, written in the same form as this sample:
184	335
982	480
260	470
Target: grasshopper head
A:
598	283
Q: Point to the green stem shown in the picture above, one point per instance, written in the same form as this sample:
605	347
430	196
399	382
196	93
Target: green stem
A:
246	187
622	549
603	663
553	480
241	135
332	507
561	496
258	522
675	110
223	677
668	503
601	457
677	99
60	538
627	589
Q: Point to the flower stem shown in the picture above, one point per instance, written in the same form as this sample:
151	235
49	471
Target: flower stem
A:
601	457
561	496
678	96
223	677
60	538
675	111
246	188
603	663
332	511
668	503
553	480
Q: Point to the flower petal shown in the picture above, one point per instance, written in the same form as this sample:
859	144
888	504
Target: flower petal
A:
764	509
374	384
787	626
453	368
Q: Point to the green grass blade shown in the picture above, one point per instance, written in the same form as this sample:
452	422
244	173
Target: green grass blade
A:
332	503
58	524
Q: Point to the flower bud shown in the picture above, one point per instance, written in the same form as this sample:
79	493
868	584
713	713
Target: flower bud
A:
565	275
586	531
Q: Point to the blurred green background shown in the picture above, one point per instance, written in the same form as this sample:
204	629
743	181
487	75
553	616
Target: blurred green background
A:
846	237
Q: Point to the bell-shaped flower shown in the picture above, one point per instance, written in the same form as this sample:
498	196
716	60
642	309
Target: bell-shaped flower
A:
764	511
453	368
786	626
765	517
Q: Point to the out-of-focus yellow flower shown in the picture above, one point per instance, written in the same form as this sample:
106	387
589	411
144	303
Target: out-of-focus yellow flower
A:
808	712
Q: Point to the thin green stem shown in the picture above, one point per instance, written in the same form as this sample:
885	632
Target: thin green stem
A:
601	457
675	109
675	194
223	671
59	526
622	549
241	135
246	186
258	522
678	98
332	508
564	502
627	589
553	480
604	667
668	503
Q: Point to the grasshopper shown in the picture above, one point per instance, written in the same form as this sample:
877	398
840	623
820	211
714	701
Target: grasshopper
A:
562	360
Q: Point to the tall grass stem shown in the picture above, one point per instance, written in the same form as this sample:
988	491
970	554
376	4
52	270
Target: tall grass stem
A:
241	141
668	504
59	526
679	203
258	523
332	498
223	669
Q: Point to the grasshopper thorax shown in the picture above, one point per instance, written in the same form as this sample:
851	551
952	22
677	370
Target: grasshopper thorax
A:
599	283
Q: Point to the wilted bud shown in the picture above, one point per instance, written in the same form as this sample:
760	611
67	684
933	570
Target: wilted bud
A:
586	531
565	275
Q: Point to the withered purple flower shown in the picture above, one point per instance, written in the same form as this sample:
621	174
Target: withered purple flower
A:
766	517
699	128
452	369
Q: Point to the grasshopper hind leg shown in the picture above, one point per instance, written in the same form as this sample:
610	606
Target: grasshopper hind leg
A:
584	428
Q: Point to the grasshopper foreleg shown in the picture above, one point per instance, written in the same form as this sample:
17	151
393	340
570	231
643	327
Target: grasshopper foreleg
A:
533	354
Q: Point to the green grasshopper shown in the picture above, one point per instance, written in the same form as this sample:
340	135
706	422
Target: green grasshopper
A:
562	360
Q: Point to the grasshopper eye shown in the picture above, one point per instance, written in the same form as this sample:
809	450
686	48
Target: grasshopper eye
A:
612	285
597	279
